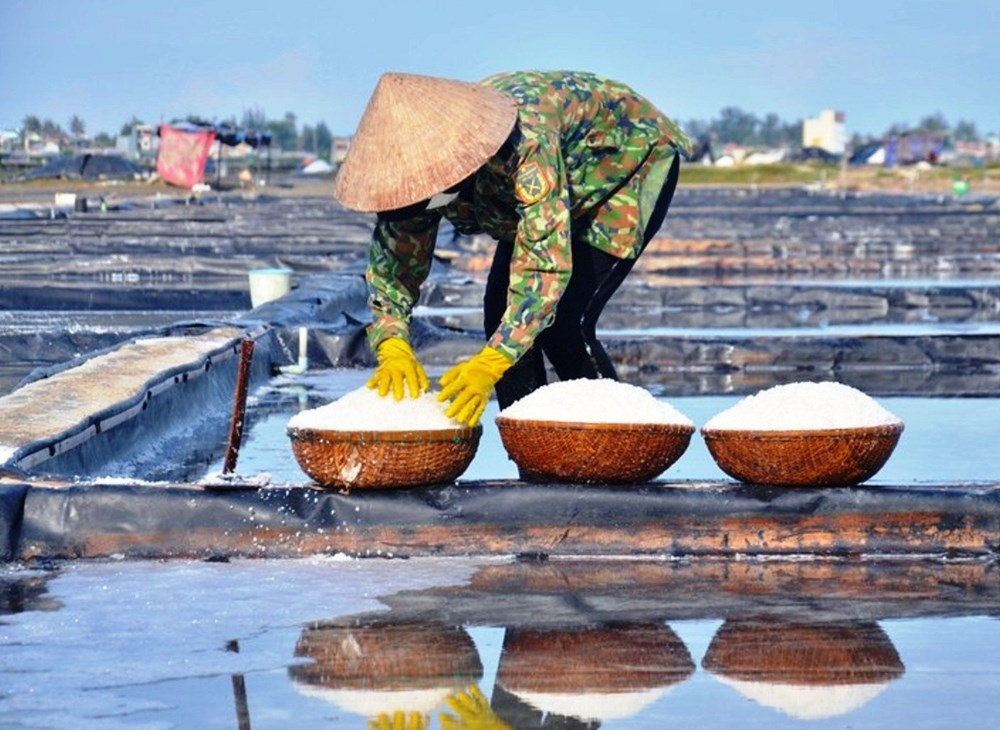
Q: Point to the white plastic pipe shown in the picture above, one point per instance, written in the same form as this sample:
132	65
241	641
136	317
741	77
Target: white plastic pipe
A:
303	364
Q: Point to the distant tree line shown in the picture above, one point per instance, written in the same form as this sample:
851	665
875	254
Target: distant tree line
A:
732	125
285	133
736	126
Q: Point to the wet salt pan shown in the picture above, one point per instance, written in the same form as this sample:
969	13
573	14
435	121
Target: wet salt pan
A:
364	410
594	401
803	407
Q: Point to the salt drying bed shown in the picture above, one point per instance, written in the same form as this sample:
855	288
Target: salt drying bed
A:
124	458
689	601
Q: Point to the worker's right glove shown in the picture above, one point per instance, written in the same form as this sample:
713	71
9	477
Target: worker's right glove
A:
472	712
468	385
398	368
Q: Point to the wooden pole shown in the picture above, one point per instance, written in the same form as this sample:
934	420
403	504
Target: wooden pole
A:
240	693
218	165
239	407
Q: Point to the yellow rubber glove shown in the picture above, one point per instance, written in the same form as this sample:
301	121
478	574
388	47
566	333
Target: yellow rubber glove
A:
472	712
399	721
468	384
398	368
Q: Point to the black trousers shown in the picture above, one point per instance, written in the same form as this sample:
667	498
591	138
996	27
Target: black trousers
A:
570	342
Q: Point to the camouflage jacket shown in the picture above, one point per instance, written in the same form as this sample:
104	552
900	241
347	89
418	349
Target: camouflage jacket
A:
586	159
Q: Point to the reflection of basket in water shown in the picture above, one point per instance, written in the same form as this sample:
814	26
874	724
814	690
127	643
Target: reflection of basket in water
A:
605	659
386	657
595	453
370	459
810	671
833	457
802	653
375	668
603	673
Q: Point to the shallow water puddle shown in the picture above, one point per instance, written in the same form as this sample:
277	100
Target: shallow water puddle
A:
333	643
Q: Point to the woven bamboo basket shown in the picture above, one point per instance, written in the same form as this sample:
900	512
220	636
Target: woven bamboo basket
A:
592	453
820	458
384	459
803	654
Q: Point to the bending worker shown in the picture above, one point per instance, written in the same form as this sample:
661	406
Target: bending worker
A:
571	173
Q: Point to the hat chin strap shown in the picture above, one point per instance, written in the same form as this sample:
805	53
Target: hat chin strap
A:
440	200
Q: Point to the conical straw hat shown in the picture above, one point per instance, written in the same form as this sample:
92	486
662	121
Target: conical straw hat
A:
419	136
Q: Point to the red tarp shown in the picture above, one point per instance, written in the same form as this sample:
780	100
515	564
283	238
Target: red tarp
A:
183	155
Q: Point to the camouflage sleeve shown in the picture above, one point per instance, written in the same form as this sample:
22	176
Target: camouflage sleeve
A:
399	260
542	260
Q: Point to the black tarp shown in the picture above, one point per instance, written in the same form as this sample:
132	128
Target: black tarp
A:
144	521
87	167
11	512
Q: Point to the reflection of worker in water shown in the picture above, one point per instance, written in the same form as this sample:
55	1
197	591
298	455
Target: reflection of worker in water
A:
570	172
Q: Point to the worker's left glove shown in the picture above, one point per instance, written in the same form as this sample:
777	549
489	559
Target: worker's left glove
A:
472	712
468	384
399	721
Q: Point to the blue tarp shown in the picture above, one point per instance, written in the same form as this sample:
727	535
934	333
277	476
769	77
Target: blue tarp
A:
228	135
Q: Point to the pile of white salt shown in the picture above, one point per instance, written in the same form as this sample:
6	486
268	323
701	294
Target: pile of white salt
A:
364	410
594	401
803	407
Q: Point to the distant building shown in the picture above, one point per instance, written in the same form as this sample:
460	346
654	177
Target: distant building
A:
826	132
9	139
141	142
36	144
340	147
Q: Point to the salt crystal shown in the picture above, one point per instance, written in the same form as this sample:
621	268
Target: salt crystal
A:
594	401
803	407
365	410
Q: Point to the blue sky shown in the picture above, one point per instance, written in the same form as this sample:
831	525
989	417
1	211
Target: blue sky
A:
880	61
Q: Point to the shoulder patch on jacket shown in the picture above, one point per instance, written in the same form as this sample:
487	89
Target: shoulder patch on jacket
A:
530	183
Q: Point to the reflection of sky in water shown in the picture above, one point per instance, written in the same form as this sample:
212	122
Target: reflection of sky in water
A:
967	425
143	645
887	329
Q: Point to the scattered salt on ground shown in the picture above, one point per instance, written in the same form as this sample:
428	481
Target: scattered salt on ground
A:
803	406
222	479
364	410
594	401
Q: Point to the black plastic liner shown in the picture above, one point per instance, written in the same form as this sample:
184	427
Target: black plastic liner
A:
11	511
178	432
503	518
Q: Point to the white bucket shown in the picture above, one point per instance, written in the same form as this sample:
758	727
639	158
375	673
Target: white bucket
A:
266	285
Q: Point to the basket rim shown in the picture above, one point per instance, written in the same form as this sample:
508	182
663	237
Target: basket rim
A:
678	428
322	435
739	434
